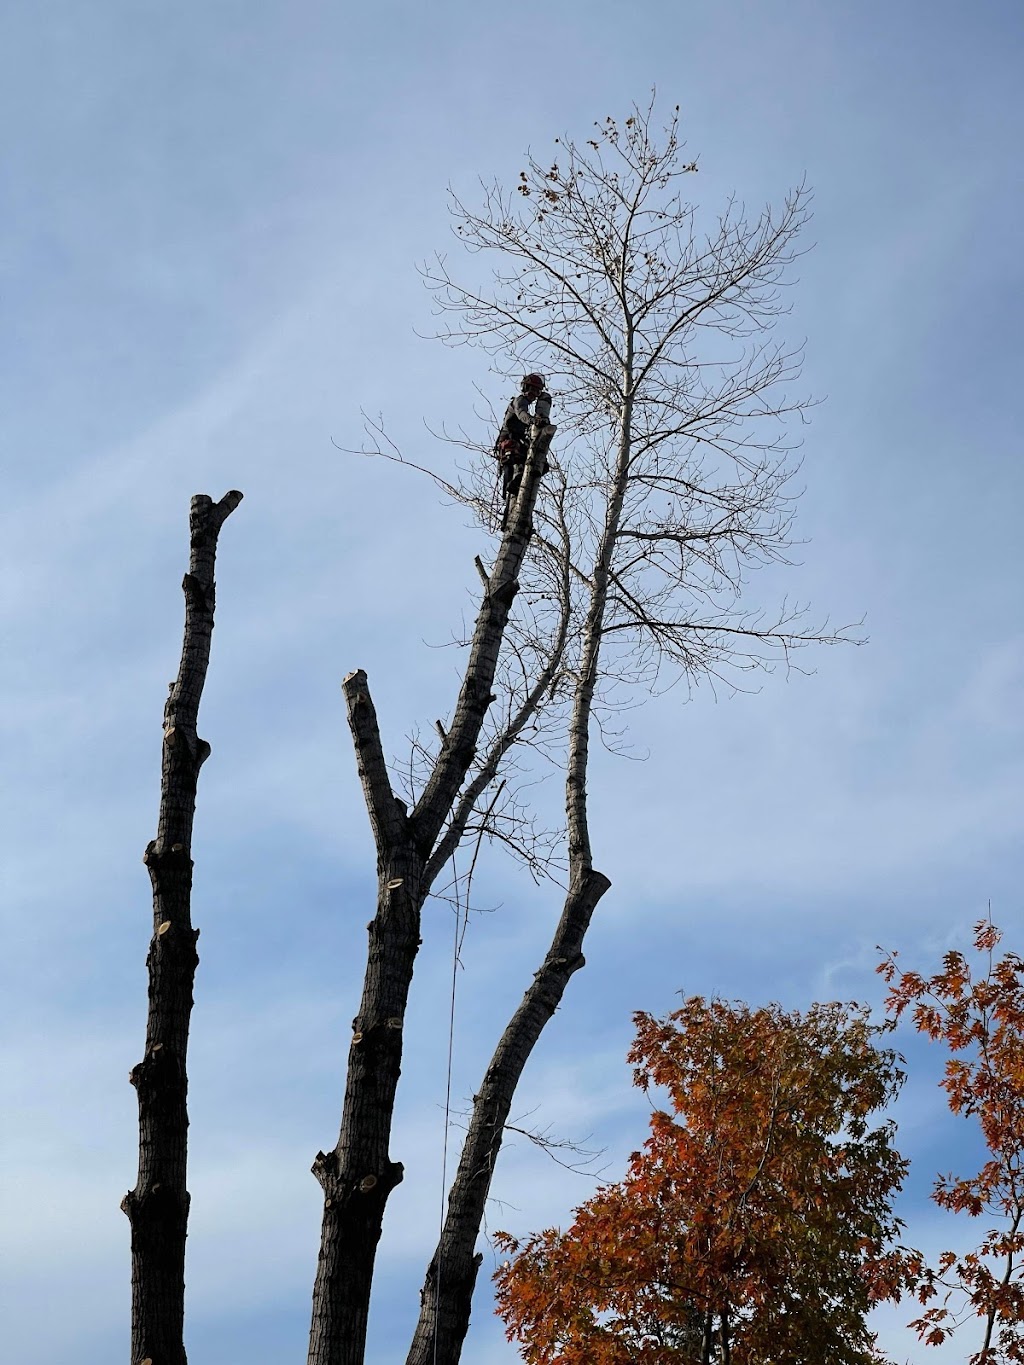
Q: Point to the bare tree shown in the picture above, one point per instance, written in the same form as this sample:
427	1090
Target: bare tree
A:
670	484
157	1207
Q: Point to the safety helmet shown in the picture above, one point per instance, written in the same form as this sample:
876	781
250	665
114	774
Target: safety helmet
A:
533	381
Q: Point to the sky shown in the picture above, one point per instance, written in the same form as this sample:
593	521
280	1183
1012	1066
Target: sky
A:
211	217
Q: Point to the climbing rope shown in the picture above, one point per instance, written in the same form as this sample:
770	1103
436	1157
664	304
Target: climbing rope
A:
459	935
461	925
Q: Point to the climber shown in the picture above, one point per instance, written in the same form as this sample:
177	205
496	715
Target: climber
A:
513	443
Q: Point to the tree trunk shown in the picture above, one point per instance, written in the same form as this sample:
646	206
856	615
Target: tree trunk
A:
447	1293
157	1207
446	1296
358	1175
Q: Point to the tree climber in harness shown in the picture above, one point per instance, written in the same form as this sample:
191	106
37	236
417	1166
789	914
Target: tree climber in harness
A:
513	444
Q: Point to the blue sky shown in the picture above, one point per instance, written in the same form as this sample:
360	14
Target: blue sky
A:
210	219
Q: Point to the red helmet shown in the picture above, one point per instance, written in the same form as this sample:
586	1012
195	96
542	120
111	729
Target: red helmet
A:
533	381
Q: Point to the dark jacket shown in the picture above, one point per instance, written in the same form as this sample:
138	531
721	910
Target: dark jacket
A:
518	418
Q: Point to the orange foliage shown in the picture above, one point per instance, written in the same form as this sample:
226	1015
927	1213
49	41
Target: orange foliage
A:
981	1021
756	1223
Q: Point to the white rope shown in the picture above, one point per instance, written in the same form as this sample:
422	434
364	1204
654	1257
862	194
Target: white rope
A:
456	946
461	925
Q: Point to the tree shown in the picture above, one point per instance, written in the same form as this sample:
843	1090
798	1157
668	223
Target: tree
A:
755	1225
669	485
980	1019
157	1207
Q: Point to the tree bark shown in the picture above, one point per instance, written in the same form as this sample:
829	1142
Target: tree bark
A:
157	1207
446	1296
358	1175
447	1293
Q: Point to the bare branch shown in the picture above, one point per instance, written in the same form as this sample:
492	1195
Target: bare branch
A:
541	1137
386	817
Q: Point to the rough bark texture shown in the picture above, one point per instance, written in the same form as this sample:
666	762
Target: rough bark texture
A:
358	1175
447	1294
157	1207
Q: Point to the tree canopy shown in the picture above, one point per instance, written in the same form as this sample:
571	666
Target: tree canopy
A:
979	1017
755	1224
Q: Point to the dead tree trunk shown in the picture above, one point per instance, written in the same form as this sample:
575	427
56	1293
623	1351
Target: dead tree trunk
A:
157	1207
358	1175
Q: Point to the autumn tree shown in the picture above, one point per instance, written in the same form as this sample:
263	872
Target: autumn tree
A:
756	1224
979	1016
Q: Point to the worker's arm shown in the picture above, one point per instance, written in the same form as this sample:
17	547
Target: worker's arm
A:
521	408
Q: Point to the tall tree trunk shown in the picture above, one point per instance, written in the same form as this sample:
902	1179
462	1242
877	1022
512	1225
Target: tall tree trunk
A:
447	1293
157	1207
358	1175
